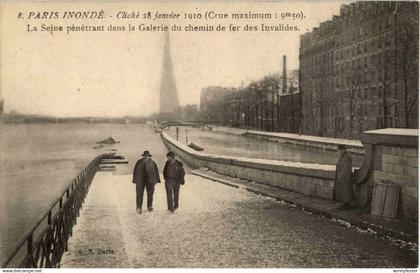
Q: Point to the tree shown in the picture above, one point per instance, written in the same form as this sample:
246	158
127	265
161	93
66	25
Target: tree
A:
272	84
353	83
293	83
406	55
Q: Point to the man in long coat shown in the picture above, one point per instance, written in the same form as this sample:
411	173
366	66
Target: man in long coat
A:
343	186
145	175
174	177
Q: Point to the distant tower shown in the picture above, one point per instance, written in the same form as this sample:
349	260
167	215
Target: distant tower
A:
284	87
168	93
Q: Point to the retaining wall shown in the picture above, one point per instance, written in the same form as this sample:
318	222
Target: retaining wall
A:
310	179
393	155
353	147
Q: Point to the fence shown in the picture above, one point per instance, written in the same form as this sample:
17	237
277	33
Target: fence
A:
45	244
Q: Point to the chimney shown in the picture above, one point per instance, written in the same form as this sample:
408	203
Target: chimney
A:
284	87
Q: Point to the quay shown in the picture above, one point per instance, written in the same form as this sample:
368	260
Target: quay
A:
228	221
216	226
390	156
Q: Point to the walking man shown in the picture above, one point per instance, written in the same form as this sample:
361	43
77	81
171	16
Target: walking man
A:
174	177
145	175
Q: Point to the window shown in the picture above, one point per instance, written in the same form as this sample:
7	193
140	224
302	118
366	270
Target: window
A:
372	92
379	123
388	39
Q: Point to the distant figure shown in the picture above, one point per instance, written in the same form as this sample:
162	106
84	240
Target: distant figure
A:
174	177
145	175
343	187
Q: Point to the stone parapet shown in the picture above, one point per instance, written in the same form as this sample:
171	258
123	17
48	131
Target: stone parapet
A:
353	146
394	156
310	179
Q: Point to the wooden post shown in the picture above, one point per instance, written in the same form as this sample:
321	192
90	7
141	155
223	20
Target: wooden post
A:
186	137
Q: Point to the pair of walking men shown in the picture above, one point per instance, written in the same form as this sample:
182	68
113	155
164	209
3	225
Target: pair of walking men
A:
146	176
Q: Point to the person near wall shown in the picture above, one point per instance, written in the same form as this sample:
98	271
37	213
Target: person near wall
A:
343	186
145	175
173	173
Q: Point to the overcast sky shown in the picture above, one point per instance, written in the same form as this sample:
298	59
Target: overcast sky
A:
118	73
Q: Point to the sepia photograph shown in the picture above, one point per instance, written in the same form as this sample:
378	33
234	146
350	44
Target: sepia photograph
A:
209	134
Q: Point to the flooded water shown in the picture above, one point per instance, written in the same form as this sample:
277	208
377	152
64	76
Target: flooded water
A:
38	161
215	142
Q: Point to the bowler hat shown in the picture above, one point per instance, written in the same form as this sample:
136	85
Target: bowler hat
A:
146	153
170	154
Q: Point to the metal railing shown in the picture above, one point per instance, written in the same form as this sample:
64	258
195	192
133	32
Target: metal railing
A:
44	245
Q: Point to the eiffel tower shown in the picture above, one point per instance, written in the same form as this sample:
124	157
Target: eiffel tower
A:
169	104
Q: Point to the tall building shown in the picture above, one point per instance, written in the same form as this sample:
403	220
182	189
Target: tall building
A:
359	70
169	104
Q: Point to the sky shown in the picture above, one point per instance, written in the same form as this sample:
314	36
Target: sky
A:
117	73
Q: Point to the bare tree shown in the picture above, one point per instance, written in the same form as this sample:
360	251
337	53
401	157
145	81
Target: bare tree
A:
353	83
293	83
406	56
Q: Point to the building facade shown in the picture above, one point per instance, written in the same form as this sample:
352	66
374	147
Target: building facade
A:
359	70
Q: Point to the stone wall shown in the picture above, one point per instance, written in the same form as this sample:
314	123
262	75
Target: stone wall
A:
394	156
326	144
310	179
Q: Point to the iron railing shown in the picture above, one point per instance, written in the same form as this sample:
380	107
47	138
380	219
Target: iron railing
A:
44	245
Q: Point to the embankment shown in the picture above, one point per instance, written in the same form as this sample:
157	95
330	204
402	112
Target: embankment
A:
310	179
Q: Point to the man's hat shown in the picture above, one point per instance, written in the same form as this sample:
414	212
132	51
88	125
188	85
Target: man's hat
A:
146	153
171	154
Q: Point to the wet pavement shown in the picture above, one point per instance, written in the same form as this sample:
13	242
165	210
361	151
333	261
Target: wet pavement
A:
215	226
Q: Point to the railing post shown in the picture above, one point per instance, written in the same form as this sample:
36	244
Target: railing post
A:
66	218
49	217
30	244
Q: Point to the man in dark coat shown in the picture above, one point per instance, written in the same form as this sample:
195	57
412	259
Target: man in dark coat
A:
343	186
145	175
174	177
